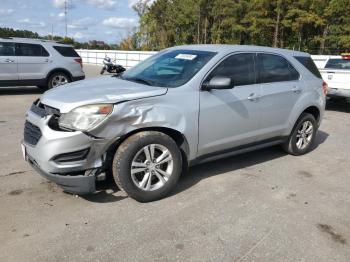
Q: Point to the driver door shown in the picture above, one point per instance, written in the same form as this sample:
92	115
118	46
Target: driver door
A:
230	118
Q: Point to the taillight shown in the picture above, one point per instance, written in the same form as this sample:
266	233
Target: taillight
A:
79	61
324	88
346	56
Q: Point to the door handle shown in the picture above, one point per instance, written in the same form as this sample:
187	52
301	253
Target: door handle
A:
296	90
9	61
252	97
47	60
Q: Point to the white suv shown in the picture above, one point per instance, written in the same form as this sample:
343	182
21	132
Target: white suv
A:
42	63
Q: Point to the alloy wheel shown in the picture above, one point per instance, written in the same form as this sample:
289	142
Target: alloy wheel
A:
304	135
59	80
152	167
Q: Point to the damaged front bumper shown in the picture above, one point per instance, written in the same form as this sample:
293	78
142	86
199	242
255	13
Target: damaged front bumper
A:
77	184
73	160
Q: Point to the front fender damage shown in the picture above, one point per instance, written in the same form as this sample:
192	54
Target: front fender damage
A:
128	117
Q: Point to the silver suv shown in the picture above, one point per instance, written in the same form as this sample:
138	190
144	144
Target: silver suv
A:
42	63
184	106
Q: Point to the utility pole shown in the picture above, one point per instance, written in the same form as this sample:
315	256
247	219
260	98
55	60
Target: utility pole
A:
65	16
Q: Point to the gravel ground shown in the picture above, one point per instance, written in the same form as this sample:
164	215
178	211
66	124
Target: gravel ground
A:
260	206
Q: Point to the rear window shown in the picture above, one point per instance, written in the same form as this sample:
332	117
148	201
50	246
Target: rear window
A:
338	64
309	64
31	50
274	68
66	51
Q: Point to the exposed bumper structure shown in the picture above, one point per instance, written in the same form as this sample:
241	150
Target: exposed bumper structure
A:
78	184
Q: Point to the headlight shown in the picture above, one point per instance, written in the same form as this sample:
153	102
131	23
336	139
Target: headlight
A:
85	117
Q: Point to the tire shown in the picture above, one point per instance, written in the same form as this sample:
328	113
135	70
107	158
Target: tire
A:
58	78
299	133
144	186
102	71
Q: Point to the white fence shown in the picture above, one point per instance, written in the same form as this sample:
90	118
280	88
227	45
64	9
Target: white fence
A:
124	58
131	58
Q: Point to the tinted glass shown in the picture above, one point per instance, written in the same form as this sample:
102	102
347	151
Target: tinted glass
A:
31	50
169	69
338	64
309	64
66	51
273	68
240	68
7	49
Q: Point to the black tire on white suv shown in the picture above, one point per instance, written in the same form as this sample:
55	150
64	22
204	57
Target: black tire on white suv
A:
58	76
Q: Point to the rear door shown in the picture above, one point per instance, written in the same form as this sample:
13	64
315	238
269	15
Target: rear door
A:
281	88
32	61
8	62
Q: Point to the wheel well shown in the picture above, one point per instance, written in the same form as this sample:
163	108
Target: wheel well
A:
313	110
177	136
59	70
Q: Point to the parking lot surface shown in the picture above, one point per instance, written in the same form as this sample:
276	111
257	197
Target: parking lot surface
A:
260	206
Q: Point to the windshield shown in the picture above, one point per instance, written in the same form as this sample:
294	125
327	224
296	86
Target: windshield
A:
338	64
169	69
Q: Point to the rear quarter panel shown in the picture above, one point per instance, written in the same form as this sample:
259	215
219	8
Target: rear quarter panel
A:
312	95
67	63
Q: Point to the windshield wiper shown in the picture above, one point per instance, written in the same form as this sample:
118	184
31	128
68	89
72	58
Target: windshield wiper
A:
139	80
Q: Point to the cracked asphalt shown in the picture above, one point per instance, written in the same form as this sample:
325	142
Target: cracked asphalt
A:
260	206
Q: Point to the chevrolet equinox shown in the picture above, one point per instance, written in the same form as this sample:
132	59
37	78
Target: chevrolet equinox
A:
183	106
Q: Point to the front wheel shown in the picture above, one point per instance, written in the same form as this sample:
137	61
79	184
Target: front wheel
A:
303	136
147	166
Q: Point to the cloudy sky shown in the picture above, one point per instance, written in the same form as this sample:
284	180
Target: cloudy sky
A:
108	20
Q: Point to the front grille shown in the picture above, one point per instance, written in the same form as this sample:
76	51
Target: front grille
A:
32	133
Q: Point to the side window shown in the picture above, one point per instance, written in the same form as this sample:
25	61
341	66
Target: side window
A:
7	49
274	68
309	64
240	68
66	51
31	50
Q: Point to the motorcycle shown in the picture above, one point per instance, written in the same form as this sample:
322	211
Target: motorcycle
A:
111	66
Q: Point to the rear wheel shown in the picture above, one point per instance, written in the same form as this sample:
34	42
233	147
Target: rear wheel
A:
58	79
147	166
303	135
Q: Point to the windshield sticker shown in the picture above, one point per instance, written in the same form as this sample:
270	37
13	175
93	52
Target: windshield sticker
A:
185	56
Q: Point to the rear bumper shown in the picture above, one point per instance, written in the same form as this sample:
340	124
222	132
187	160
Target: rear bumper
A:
338	92
77	78
77	184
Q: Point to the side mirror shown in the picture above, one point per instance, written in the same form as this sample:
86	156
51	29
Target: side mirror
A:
218	82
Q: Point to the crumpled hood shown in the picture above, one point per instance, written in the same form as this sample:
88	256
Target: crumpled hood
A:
106	89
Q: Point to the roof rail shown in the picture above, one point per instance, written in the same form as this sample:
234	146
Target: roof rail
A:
30	39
